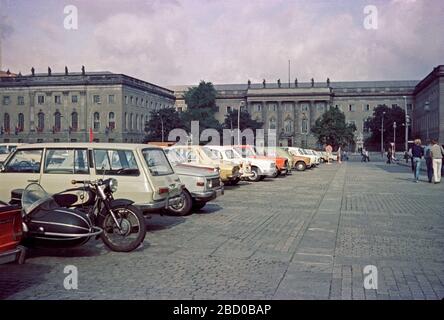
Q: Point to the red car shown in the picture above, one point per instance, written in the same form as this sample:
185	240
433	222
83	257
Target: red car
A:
11	232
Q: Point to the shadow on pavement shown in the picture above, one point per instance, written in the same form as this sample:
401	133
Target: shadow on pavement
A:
161	222
209	208
16	278
394	168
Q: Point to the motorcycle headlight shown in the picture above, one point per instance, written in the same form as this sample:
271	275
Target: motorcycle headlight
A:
113	184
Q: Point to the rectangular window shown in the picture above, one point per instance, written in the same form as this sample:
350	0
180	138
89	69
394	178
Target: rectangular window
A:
115	162
57	99
126	99
41	99
20	100
6	100
131	99
157	162
258	107
228	109
179	109
96	99
351	108
26	161
111	99
74	99
367	107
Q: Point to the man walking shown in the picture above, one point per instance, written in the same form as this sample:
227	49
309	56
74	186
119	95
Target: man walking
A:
437	154
428	160
417	154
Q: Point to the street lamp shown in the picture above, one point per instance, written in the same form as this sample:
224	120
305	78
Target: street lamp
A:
242	103
394	137
382	134
406	124
161	123
305	130
427	111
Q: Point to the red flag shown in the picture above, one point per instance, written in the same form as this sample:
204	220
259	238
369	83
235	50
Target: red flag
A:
91	135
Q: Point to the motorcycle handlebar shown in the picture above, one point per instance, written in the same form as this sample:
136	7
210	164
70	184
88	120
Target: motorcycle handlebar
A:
80	181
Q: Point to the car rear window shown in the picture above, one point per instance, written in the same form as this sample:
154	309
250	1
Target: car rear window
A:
157	162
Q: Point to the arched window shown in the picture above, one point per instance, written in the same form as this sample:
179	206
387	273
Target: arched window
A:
137	122
141	123
111	121
7	123
288	125
96	120
272	123
304	126
57	121
125	122
21	122
40	121
74	121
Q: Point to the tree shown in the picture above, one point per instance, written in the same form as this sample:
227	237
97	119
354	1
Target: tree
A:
331	128
169	118
374	124
201	106
245	122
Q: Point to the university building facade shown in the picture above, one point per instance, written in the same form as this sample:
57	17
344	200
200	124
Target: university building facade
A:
68	107
292	108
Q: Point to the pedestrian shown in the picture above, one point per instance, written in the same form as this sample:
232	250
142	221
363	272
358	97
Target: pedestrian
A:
339	155
437	155
417	154
329	150
428	160
389	155
363	157
367	156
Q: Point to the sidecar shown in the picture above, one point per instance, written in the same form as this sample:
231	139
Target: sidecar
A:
49	224
11	233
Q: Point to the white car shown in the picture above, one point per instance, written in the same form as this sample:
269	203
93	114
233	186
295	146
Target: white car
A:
6	149
313	153
219	152
260	168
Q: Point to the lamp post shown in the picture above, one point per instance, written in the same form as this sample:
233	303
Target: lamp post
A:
382	134
394	137
427	111
304	130
161	123
406	124
242	103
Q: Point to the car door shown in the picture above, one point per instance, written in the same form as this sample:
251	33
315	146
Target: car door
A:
21	169
61	166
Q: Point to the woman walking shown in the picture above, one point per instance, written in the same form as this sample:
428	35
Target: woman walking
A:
417	155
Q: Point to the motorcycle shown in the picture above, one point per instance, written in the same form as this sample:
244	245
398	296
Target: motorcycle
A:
59	220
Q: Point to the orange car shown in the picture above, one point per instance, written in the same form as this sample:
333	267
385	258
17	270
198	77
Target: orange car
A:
250	151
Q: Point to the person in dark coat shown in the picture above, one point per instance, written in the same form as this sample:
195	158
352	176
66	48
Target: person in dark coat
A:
417	154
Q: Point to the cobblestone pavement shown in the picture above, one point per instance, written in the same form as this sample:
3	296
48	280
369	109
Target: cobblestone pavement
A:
305	236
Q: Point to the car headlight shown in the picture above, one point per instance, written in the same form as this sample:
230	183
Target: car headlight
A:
210	184
113	184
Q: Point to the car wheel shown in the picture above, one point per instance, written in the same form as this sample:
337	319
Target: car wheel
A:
255	175
184	206
300	166
276	173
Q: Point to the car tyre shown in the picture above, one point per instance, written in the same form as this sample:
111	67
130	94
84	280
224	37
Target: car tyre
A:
255	177
184	207
300	166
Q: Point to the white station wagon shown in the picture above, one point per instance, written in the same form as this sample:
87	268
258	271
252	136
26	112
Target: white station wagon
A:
143	172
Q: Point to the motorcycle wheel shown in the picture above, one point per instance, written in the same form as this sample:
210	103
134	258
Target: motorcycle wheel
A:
133	230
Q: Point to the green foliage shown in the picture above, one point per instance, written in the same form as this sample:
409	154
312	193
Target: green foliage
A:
374	125
245	121
170	119
201	106
332	129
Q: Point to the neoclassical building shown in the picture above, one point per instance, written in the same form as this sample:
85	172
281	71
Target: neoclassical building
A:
292	108
57	107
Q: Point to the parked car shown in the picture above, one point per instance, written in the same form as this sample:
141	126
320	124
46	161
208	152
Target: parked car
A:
220	153
142	171
201	184
302	152
6	149
11	233
260	167
250	152
300	163
281	153
229	173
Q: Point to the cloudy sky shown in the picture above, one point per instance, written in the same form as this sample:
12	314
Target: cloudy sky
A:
226	41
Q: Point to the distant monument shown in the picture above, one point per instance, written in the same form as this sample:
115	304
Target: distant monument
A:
264	83
328	82
66	70
83	70
249	83
33	71
312	82
279	83
296	82
49	71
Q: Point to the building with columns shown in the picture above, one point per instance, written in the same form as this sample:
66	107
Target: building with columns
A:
57	107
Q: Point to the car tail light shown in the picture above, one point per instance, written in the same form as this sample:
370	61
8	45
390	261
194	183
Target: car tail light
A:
163	190
18	229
